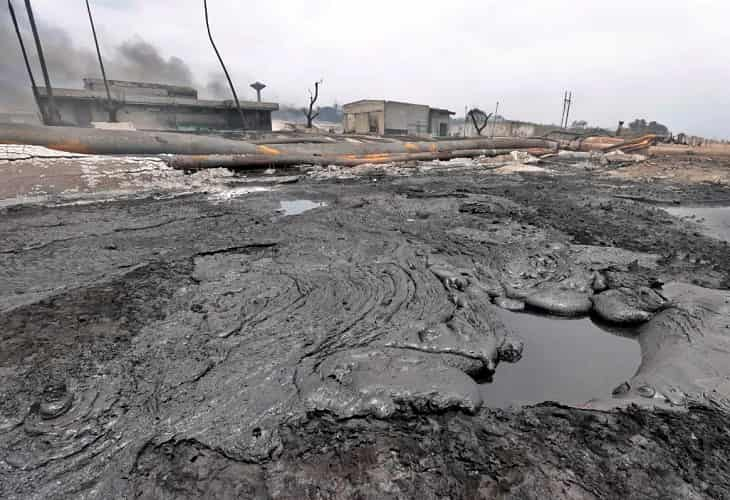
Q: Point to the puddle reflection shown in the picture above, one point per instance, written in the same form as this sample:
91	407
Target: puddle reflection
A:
566	360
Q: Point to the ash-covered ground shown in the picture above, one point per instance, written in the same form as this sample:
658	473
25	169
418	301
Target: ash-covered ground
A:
330	333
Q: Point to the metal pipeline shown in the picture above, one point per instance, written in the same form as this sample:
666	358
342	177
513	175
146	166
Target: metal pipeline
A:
433	147
118	142
190	162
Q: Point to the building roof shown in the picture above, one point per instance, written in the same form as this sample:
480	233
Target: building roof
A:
152	100
162	88
384	101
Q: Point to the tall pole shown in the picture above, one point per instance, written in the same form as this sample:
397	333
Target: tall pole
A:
562	115
33	85
228	77
466	112
567	112
494	122
53	116
112	111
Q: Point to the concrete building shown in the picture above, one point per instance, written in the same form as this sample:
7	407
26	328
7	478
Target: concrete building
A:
395	118
153	106
506	128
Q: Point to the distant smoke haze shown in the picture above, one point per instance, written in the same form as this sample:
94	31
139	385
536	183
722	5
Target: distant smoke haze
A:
135	59
217	88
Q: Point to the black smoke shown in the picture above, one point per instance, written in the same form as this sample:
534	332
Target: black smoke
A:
141	61
68	64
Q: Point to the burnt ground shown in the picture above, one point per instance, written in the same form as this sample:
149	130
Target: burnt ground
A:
196	346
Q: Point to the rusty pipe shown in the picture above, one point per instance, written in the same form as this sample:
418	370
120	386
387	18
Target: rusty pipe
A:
193	162
120	142
414	147
117	142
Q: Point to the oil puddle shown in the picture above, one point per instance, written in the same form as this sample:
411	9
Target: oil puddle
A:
297	207
569	361
715	221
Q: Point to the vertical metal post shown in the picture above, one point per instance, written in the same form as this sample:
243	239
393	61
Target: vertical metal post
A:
53	116
110	103
33	85
494	122
562	115
228	77
466	119
567	112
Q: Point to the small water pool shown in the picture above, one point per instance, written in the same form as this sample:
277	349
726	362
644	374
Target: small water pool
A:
297	207
569	361
714	220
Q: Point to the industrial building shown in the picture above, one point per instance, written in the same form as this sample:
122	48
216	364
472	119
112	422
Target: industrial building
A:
154	106
396	118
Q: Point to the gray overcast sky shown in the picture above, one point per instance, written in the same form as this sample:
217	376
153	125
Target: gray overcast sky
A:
664	60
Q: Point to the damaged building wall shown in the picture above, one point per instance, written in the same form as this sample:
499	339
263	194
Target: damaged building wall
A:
440	122
512	128
365	117
150	106
396	118
406	119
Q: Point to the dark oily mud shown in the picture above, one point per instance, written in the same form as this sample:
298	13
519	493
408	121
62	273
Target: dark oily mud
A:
206	346
567	360
535	453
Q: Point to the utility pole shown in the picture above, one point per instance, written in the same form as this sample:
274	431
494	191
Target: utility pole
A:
567	112
220	59
112	109
494	122
36	96
53	116
466	110
567	104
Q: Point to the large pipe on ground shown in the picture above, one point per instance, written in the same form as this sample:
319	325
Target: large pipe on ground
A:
344	148
120	142
189	162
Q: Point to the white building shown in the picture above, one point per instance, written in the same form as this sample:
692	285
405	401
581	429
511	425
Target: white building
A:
396	118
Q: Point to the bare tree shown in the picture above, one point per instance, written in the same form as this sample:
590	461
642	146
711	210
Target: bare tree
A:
477	116
310	113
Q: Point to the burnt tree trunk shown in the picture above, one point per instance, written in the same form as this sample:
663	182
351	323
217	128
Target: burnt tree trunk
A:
477	115
310	113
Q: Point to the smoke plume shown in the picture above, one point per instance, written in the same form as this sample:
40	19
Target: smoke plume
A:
134	59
